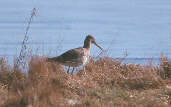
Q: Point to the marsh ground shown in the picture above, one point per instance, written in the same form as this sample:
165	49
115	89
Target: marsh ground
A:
104	83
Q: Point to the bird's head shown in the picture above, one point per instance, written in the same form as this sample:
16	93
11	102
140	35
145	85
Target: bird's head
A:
91	39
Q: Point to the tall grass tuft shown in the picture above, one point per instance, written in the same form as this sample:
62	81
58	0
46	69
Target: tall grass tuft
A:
166	65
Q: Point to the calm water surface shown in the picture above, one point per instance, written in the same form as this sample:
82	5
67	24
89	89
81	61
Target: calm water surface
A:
140	28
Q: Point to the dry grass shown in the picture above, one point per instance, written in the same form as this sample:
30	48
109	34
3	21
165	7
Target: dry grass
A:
104	83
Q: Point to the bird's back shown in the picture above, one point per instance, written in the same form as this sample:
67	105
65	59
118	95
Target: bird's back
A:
73	57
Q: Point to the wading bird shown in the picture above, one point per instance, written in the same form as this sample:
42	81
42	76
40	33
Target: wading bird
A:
76	57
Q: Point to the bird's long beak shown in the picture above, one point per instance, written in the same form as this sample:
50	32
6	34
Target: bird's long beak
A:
98	45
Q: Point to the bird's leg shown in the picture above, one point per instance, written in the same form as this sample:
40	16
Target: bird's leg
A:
72	70
84	68
68	70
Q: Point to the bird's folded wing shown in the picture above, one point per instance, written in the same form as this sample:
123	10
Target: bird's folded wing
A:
73	55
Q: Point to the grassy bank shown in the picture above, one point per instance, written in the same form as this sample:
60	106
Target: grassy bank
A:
104	83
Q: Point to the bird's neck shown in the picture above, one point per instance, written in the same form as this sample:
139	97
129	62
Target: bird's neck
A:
87	44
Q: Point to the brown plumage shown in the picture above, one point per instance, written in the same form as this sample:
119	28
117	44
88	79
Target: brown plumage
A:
76	57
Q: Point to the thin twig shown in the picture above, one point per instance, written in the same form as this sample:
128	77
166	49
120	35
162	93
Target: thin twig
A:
23	52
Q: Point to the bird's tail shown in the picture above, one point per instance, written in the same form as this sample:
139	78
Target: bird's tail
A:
50	59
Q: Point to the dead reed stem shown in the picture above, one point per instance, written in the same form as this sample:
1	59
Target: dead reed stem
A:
21	60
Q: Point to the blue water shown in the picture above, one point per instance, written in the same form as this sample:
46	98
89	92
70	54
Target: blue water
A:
142	29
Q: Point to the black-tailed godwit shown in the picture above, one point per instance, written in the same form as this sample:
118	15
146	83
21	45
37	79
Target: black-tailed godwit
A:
76	57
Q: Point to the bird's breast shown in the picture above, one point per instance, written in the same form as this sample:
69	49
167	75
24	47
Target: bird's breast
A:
86	56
